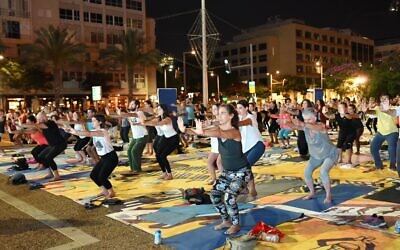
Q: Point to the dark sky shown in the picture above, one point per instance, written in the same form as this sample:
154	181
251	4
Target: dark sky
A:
370	18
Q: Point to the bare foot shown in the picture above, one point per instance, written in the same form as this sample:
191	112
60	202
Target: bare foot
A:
309	197
56	178
163	175
328	199
111	194
233	229
168	176
211	182
224	224
253	193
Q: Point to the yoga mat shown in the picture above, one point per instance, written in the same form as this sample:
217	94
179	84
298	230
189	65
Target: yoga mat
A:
207	238
273	187
275	150
388	194
294	159
340	193
175	215
6	163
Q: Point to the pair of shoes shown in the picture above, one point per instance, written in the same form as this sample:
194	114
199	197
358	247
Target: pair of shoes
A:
346	166
374	221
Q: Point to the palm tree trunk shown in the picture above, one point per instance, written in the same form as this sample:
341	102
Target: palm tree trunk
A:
57	85
130	83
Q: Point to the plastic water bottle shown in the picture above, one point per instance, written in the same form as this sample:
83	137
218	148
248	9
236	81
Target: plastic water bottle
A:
270	237
397	227
157	237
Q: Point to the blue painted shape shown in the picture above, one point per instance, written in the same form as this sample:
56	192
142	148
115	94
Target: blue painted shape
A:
175	215
207	238
340	193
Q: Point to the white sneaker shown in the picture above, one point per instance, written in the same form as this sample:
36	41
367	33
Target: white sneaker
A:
347	166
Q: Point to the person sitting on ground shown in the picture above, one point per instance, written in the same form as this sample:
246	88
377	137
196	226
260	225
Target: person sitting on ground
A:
322	152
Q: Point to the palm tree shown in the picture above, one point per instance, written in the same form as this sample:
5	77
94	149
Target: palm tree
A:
54	48
130	53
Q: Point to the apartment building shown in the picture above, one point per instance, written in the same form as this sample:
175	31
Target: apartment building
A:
96	23
386	48
293	48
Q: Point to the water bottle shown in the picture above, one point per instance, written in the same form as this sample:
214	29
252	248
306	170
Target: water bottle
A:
269	237
157	237
397	227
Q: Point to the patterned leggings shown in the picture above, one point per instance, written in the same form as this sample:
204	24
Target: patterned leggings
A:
229	185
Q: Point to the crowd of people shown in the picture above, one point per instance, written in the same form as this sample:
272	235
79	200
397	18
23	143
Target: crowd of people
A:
235	130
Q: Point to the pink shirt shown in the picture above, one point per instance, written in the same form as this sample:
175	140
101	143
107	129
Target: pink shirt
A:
39	138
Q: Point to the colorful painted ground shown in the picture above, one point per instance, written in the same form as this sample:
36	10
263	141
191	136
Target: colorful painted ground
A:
151	204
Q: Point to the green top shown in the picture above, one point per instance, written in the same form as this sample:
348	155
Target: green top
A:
232	156
386	123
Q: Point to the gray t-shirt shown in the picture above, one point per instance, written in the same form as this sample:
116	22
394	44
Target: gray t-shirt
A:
319	145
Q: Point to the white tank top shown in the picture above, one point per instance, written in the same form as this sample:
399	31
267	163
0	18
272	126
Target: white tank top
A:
214	145
138	131
159	131
250	135
103	144
168	130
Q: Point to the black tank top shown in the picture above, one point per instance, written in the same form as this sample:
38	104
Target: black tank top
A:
232	156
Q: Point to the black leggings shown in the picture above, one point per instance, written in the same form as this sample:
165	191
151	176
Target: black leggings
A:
359	133
371	123
302	143
81	143
164	148
156	143
37	150
46	157
103	169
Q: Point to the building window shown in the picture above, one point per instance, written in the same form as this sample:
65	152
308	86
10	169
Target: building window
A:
134	5
308	58
96	18
332	50
262	46
76	15
325	49
243	60
109	20
86	16
243	72
139	81
324	38
262	58
346	42
254	47
225	53
243	50
12	29
317	47
113	39
116	3
234	62
339	51
299	45
118	21
299	68
299	57
332	39
66	14
96	37
346	52
254	59
95	1
299	33
234	52
308	34
339	40
317	36
134	23
217	55
263	70
308	46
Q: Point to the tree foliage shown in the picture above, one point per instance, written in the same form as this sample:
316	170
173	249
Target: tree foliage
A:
54	48
130	53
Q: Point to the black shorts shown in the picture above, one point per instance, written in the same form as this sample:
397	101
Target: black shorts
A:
345	140
81	143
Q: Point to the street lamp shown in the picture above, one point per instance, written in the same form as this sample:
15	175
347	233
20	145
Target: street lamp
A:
184	66
270	79
321	71
212	75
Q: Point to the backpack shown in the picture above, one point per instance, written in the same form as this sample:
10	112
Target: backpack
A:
196	196
17	179
20	164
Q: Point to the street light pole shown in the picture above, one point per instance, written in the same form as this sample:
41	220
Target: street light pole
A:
165	77
184	66
218	88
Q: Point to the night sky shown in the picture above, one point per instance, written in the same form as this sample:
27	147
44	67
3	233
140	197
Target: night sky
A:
370	18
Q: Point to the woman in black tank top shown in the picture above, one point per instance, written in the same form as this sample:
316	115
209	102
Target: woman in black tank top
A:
236	169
